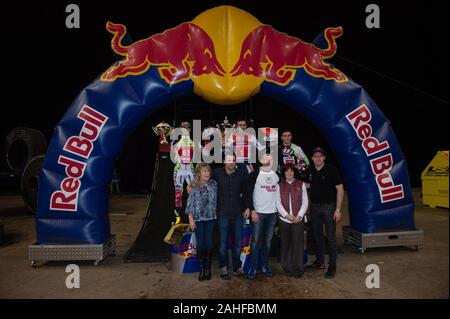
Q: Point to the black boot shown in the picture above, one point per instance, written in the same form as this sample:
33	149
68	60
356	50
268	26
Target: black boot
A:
208	263
201	267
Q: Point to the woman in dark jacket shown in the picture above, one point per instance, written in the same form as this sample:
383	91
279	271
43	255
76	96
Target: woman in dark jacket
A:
292	203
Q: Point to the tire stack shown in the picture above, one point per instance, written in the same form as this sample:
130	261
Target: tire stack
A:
25	150
30	182
22	144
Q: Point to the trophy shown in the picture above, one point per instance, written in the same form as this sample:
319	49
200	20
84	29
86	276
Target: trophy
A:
270	136
224	125
163	130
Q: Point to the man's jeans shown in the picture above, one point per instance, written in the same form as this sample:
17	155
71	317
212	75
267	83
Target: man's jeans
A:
323	214
226	224
262	233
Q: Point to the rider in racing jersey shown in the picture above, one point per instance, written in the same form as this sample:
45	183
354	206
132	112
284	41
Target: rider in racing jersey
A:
183	151
243	144
290	153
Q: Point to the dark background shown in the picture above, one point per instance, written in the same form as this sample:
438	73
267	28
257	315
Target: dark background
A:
403	66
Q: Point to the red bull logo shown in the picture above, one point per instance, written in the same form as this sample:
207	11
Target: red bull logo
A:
246	250
179	53
275	56
187	255
226	52
360	119
184	245
66	198
186	248
246	247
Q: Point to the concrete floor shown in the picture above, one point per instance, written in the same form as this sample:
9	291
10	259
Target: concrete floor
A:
404	273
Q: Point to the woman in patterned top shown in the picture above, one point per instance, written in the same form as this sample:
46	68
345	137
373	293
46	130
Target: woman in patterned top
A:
202	210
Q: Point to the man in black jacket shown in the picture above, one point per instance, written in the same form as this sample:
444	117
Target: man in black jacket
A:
230	208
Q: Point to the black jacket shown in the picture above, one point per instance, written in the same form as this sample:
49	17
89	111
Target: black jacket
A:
229	190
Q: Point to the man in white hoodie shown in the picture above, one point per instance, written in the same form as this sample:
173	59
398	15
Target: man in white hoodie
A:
261	201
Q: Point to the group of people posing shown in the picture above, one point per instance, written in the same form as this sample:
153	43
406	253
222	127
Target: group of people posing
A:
265	195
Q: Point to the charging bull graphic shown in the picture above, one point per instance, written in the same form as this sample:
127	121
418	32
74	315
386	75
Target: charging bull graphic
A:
274	56
179	53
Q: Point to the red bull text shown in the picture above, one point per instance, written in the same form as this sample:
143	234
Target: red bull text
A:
66	198
382	165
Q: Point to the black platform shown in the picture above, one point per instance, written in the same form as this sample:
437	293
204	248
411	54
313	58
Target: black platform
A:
149	245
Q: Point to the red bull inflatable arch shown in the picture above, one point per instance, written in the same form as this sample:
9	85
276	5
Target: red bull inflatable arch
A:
224	55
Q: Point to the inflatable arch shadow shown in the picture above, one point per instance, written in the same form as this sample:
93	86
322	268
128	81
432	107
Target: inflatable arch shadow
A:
193	57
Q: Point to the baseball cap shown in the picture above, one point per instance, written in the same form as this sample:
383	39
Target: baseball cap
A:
318	149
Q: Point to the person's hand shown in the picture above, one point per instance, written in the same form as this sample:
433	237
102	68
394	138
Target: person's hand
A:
189	188
192	225
337	215
290	218
298	219
246	213
255	217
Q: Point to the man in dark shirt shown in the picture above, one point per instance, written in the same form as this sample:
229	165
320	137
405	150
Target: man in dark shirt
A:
230	209
327	193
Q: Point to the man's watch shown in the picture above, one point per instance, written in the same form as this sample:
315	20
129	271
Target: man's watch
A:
338	209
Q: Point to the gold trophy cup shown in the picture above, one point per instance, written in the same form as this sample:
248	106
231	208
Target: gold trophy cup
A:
224	125
163	130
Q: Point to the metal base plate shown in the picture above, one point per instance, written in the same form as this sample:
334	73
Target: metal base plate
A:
43	253
382	239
